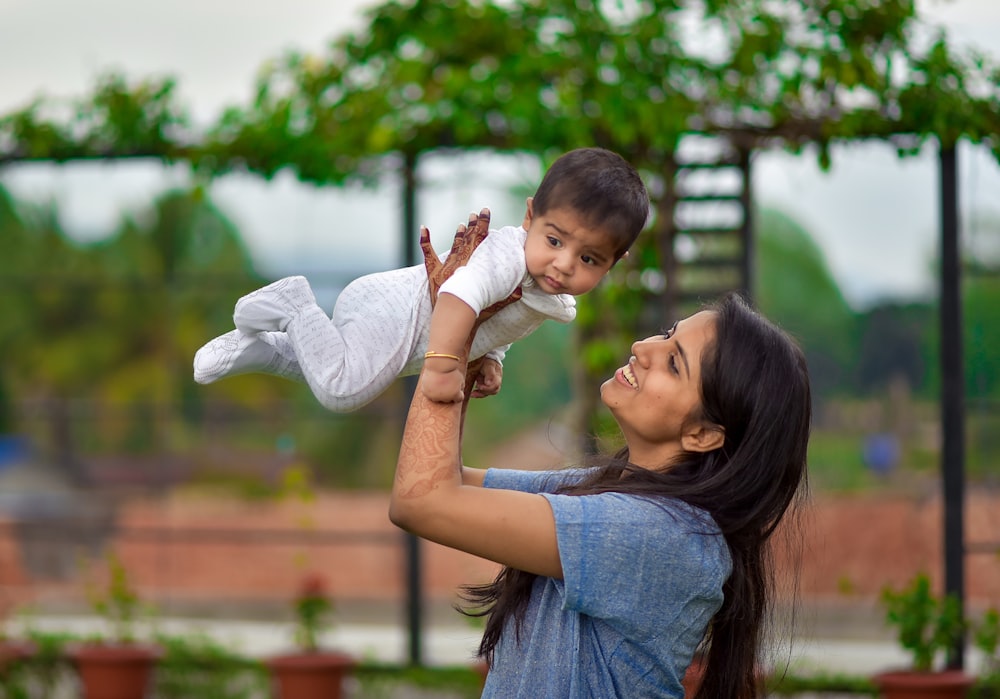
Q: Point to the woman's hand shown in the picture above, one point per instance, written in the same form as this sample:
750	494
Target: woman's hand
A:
467	239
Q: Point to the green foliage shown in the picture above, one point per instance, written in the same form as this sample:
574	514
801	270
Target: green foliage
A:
796	290
547	77
836	463
788	685
382	680
113	319
897	340
536	385
119	120
365	442
926	624
117	601
515	76
313	607
981	308
986	637
197	666
45	670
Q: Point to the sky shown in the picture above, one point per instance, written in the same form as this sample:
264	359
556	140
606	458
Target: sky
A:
873	215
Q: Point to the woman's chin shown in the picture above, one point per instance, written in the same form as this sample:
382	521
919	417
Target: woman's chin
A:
606	387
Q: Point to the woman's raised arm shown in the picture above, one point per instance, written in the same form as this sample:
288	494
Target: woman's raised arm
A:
430	499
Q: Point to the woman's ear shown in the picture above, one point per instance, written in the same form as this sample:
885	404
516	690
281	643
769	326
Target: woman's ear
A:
703	437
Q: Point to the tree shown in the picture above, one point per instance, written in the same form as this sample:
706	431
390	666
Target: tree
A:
543	77
796	290
895	343
112	319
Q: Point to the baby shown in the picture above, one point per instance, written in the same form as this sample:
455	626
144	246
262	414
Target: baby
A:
588	210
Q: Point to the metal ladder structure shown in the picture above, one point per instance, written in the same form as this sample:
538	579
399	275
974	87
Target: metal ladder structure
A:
709	246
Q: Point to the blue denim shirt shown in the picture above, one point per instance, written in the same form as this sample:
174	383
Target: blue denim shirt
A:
641	581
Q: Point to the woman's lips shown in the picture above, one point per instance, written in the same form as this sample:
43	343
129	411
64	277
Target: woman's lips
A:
626	376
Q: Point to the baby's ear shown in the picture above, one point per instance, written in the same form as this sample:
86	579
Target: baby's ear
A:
619	259
528	213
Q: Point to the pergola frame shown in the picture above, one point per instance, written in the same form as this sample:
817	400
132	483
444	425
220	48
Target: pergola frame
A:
952	399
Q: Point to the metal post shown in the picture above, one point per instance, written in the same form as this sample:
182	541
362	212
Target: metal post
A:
414	588
952	392
746	229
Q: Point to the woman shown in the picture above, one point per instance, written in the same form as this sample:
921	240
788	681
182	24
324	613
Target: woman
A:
613	575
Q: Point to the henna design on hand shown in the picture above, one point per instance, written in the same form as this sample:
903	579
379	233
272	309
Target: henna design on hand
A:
425	443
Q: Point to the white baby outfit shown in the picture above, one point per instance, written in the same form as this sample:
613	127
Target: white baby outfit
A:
380	324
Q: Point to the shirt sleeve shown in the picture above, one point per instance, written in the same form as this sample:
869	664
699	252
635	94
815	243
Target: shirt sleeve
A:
492	273
621	553
497	354
531	481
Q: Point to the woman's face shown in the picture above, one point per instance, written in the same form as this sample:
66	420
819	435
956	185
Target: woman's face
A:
653	396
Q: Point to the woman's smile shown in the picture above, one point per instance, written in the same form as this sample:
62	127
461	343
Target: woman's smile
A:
627	376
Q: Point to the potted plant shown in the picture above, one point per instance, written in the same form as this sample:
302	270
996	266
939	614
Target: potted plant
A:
116	665
311	672
987	641
927	626
695	673
13	651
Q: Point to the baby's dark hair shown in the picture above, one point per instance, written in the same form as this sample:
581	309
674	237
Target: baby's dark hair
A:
603	188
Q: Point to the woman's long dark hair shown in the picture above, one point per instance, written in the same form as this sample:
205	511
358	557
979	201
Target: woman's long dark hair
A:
755	384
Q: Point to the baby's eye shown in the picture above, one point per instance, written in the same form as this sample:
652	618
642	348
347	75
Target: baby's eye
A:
554	242
588	260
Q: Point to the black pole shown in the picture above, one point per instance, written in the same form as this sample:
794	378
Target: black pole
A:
414	588
747	231
952	392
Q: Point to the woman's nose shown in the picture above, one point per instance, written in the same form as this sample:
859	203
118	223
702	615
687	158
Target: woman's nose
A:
644	350
639	351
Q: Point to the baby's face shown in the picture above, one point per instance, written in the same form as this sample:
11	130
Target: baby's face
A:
564	255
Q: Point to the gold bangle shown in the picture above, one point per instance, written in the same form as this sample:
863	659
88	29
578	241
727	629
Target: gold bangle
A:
443	355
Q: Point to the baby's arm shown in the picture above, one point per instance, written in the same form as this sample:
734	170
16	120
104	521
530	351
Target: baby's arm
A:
452	322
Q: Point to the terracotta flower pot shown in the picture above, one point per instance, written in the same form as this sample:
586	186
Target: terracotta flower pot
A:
317	675
482	669
693	677
950	684
109	671
12	652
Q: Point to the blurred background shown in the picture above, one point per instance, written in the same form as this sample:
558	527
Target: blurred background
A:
157	162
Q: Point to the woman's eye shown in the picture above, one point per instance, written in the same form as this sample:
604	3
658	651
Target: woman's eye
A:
667	334
673	364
